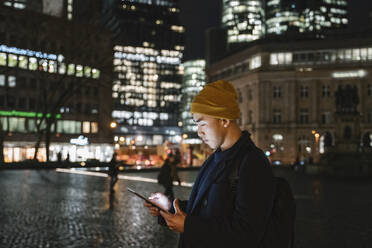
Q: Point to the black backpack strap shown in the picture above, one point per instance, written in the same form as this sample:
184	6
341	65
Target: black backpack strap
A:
234	179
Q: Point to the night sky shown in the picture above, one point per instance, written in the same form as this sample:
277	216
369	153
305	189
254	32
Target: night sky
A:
199	15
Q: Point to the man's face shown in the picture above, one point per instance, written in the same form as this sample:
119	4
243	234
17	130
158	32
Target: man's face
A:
210	130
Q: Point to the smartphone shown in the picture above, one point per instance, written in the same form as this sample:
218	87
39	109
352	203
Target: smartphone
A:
145	199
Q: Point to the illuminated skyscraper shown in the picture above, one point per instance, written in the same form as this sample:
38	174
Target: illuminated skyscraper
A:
319	15
193	83
147	71
249	20
282	16
243	19
315	16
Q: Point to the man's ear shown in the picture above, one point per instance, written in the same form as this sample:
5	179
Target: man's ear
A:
225	123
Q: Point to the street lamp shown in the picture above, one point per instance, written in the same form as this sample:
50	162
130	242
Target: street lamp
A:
113	124
316	136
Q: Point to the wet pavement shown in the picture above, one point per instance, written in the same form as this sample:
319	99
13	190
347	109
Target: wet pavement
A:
45	208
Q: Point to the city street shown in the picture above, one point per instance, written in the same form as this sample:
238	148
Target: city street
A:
48	208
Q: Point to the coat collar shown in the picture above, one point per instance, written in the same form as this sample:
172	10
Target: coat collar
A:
196	183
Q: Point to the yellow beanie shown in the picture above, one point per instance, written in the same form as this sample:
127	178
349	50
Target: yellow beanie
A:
217	99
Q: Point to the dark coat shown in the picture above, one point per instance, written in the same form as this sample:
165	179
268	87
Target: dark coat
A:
214	218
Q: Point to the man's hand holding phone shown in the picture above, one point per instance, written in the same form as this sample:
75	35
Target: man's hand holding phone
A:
158	199
175	221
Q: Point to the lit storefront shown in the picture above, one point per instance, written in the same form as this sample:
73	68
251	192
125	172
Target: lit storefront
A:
20	151
19	123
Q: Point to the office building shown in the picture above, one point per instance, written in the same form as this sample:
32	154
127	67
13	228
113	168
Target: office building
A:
55	87
147	71
193	83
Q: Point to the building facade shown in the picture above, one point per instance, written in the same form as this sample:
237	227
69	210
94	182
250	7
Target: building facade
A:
287	92
55	87
193	83
147	71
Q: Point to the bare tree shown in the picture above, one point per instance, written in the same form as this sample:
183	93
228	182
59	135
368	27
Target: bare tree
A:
56	92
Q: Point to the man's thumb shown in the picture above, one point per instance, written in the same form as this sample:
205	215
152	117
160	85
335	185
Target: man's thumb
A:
176	205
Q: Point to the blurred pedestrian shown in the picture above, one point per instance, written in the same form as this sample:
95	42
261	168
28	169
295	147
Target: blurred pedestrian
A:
59	156
177	156
168	174
113	172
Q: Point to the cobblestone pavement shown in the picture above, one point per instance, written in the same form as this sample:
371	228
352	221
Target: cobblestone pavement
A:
54	209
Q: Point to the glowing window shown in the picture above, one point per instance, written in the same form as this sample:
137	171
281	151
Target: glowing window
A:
79	70
12	60
52	66
43	65
277	137
11	81
32	65
94	127
71	69
95	73
62	68
86	127
2	58
23	62
17	124
87	71
2	80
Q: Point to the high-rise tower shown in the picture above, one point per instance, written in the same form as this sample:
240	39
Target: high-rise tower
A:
320	15
283	16
147	70
243	19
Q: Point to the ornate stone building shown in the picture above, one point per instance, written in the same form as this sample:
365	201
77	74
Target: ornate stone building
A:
287	92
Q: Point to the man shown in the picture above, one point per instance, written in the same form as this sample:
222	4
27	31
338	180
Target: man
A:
113	172
168	174
214	215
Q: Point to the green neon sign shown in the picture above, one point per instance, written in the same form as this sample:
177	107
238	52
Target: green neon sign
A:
15	113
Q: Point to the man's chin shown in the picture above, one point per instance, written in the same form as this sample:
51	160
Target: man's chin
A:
211	146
